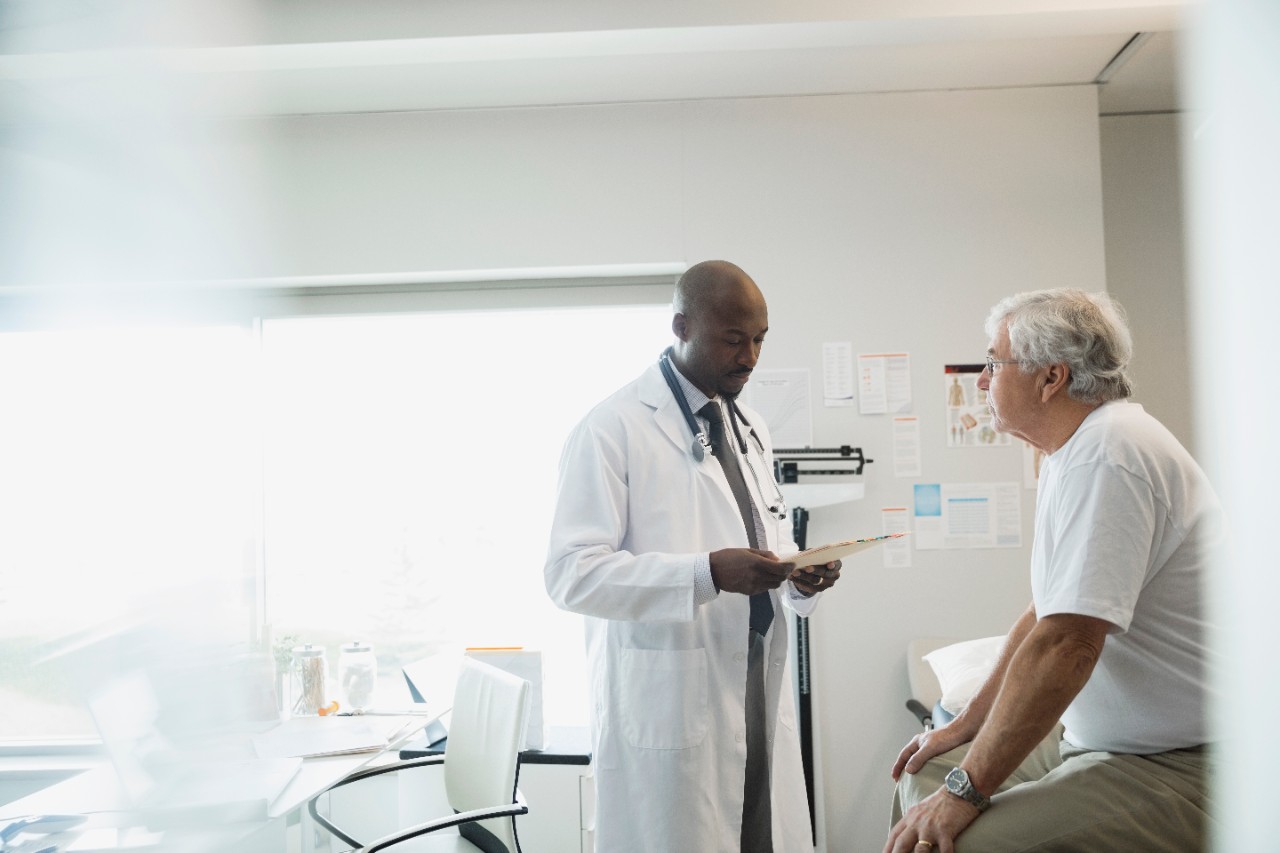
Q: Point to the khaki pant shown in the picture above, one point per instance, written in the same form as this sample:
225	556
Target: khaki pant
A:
1063	799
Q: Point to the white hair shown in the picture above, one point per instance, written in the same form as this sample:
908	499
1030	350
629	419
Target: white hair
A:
1086	331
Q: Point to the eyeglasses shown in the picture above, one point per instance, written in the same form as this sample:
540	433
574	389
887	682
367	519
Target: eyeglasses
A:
991	364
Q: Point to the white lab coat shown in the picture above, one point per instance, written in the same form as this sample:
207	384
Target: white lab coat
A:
668	678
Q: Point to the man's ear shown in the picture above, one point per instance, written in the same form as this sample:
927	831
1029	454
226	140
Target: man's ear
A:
680	327
1056	378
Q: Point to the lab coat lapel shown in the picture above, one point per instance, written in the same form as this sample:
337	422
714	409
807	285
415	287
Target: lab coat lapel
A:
655	392
666	411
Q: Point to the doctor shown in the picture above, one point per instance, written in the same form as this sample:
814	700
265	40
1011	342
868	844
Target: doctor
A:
675	566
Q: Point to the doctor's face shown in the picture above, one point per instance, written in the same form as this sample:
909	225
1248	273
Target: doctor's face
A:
720	344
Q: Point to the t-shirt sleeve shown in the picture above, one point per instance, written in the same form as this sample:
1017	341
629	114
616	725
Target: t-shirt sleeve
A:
1100	548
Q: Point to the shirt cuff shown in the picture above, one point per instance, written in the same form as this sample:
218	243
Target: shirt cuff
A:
704	588
794	593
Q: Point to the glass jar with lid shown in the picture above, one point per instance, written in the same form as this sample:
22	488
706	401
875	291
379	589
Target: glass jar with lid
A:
307	677
358	675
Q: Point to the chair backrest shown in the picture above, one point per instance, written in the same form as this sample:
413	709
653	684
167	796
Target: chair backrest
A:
486	732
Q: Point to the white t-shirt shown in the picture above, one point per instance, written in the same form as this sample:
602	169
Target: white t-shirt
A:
1125	519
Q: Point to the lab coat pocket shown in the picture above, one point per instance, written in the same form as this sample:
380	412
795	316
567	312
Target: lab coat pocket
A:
664	698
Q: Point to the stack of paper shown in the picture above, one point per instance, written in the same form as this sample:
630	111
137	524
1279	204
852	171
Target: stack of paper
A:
308	737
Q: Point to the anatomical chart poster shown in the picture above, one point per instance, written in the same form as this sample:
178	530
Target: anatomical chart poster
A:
968	421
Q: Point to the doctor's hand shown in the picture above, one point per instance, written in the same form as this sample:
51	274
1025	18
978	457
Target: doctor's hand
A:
813	579
747	570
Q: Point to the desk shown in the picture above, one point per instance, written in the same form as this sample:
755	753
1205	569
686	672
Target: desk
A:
114	825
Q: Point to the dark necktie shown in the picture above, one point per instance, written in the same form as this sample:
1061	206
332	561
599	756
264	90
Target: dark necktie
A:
761	605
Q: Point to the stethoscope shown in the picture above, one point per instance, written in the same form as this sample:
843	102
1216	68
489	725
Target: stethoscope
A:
702	445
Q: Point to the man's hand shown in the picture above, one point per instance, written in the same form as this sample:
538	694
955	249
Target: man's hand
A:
936	821
812	579
926	745
747	570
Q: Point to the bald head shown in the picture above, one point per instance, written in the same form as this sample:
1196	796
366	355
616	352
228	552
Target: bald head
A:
706	284
720	322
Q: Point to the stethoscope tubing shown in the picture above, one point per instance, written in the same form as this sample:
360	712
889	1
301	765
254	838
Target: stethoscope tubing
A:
702	445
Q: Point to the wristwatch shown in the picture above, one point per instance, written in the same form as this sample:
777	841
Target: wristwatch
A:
958	783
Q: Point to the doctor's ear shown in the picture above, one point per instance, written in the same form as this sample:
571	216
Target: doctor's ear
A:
680	327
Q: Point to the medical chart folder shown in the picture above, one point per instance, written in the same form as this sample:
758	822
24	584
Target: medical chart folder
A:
824	554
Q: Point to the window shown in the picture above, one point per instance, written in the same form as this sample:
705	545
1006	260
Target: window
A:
124	498
385	478
411	466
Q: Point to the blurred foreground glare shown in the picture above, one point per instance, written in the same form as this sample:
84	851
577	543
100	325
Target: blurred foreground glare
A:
124	448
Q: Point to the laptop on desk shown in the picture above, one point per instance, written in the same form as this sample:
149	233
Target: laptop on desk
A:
199	781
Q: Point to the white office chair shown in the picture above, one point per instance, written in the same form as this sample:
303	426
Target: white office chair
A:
481	769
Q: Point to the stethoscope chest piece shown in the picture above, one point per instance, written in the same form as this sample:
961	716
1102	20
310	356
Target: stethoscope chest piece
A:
698	453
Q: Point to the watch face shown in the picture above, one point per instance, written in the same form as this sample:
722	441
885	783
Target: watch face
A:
958	783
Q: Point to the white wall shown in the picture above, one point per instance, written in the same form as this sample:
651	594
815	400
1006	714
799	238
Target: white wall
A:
892	221
1142	197
480	189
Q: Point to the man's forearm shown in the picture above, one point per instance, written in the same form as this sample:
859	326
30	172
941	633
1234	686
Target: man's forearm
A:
979	706
1049	668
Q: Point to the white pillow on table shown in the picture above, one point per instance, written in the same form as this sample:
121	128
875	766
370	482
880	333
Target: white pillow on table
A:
962	667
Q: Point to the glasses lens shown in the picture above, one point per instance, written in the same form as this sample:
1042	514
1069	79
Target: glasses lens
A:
991	365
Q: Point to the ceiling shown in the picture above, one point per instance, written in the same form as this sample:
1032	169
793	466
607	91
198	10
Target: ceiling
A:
85	58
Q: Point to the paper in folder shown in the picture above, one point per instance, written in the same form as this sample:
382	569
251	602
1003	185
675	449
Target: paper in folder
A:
824	554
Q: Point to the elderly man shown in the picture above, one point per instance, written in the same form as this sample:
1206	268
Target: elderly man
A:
666	535
1114	644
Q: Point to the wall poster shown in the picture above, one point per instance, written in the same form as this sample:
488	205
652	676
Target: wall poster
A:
968	422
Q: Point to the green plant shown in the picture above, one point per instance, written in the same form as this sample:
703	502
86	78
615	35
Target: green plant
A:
282	651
